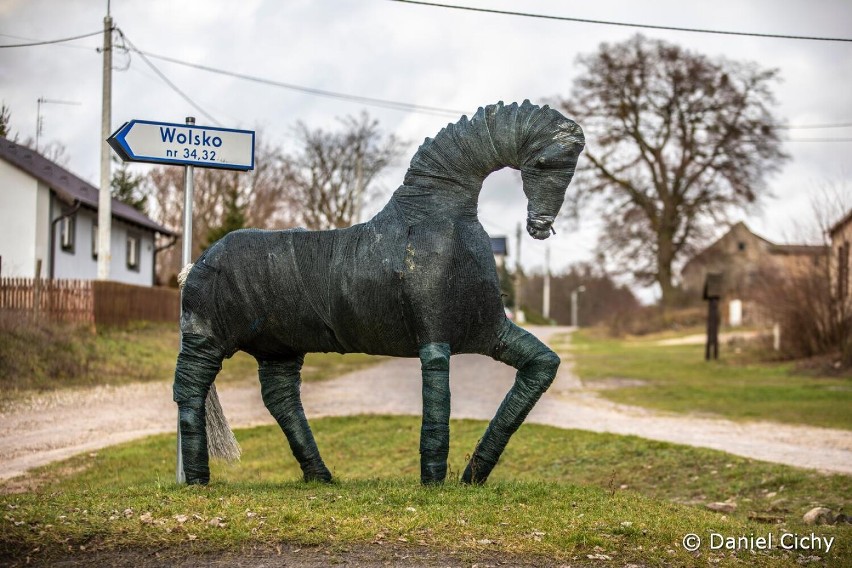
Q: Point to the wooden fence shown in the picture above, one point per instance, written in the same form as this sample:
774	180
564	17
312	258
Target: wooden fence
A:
70	301
119	304
88	302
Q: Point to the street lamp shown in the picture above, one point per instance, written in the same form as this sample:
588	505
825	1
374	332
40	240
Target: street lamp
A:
575	296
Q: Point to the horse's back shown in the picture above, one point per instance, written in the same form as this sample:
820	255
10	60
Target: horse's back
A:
246	292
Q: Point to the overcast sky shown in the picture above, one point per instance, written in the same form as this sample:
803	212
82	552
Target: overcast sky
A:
415	54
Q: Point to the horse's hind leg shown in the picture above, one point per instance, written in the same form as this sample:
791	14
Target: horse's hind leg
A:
435	430
536	364
198	363
280	382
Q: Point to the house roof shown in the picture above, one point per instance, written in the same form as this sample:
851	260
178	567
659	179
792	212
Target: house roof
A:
771	248
498	246
797	249
708	250
840	224
68	187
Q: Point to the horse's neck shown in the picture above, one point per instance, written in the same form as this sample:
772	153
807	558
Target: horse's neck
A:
447	172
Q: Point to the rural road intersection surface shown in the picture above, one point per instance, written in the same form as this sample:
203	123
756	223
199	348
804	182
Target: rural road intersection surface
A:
60	424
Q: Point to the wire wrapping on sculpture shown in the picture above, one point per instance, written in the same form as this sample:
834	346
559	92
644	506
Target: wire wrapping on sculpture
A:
417	280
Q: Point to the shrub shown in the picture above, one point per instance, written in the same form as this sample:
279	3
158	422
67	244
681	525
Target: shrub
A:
812	322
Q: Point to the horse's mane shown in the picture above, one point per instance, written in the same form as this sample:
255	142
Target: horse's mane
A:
497	135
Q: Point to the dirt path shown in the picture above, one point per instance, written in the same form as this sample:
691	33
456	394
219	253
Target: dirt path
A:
62	424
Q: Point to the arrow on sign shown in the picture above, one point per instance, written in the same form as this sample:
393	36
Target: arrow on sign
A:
183	144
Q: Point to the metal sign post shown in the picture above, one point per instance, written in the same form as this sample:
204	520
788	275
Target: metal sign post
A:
186	258
187	207
187	145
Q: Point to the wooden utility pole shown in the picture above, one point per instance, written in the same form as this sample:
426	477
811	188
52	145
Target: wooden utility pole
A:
517	276
545	302
105	196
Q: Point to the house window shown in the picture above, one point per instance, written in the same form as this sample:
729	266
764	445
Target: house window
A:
843	270
94	240
133	245
741	245
66	234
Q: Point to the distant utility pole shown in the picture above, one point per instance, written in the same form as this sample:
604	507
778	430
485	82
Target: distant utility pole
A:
575	304
545	303
105	197
518	274
359	187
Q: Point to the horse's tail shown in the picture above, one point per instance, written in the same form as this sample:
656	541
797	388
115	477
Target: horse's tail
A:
221	442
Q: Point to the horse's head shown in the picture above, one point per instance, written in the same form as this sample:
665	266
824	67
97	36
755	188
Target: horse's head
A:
553	145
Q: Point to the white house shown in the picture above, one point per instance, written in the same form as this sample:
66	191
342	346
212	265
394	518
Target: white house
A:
49	214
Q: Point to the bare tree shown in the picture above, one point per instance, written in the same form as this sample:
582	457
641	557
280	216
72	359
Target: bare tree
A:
803	299
676	140
269	203
330	175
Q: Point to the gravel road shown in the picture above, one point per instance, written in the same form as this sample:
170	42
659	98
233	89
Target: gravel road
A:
58	425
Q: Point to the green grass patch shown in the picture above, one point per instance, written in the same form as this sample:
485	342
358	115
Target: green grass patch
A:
43	357
563	495
677	378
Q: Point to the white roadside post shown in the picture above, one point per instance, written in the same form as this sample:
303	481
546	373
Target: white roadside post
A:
190	146
575	298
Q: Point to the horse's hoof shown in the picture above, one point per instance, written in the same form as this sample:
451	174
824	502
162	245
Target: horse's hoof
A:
473	475
323	476
433	473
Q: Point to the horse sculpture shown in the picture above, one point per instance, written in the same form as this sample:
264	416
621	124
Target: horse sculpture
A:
417	280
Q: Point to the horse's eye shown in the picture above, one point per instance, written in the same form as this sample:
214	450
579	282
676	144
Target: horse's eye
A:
553	162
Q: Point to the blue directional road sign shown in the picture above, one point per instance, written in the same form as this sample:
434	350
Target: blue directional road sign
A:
184	144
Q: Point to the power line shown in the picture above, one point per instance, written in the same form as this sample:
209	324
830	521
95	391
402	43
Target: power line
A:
165	79
87	48
47	42
796	126
623	24
371	101
818	140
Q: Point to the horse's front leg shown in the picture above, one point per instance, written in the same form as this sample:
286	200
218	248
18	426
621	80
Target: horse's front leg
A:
435	430
536	364
280	383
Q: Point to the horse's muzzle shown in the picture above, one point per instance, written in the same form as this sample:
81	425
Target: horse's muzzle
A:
540	226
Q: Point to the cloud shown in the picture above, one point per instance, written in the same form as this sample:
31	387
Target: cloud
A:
416	54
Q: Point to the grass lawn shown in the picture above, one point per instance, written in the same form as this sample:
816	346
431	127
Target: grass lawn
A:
51	357
678	379
558	496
